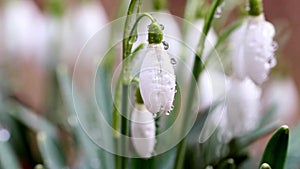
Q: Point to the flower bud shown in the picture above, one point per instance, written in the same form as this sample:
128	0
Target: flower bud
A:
157	80
143	131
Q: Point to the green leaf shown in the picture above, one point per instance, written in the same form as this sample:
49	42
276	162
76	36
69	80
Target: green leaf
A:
33	121
90	150
276	150
50	152
8	160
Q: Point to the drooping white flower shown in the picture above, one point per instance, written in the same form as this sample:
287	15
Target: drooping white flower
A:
143	131
84	28
253	49
242	108
25	31
157	80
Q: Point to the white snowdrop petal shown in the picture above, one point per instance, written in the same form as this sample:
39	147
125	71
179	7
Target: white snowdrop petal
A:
253	49
157	80
143	131
243	106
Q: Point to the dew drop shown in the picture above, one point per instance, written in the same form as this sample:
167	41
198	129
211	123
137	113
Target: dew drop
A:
166	45
162	26
172	107
4	135
274	45
218	12
272	62
154	115
167	113
173	61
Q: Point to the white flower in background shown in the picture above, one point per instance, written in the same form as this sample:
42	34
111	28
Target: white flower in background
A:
253	49
194	33
207	90
282	93
157	80
243	107
213	86
82	22
143	131
25	31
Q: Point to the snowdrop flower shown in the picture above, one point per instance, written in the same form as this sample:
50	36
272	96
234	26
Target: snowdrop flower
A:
208	78
143	131
25	31
243	106
282	93
157	78
193	35
213	85
83	22
253	49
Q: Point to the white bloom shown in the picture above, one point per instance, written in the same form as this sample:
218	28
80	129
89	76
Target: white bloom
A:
282	93
143	131
253	49
243	106
213	86
192	40
157	80
25	31
82	24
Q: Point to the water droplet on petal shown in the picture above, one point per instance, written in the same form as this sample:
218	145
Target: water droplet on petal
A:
274	45
173	61
166	45
272	62
154	115
162	26
167	113
4	135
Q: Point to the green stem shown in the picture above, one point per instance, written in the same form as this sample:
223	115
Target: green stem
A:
256	7
197	69
223	37
127	46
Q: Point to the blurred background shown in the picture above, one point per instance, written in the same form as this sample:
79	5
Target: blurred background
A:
37	35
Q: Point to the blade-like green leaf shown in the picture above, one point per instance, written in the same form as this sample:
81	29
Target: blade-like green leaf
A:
50	152
8	160
276	150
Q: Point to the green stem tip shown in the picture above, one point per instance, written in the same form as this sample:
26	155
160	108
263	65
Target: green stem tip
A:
256	7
